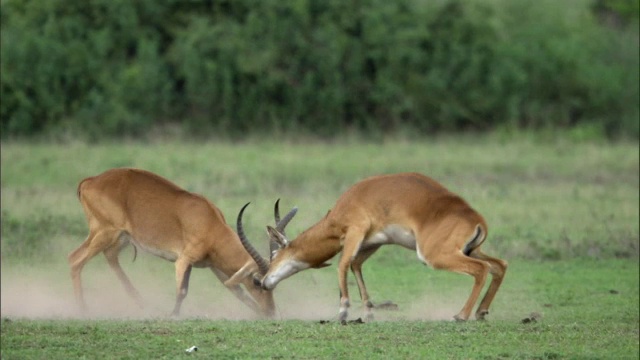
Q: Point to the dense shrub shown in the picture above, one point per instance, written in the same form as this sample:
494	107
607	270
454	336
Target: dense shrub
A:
116	67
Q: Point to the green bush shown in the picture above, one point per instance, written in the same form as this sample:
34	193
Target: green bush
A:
93	65
107	68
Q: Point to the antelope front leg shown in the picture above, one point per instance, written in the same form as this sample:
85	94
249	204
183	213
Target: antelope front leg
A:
344	291
352	242
232	283
356	268
237	291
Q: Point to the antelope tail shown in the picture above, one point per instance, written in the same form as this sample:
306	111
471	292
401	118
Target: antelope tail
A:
475	241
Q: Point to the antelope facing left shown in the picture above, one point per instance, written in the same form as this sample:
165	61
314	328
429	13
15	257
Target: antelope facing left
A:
134	206
406	209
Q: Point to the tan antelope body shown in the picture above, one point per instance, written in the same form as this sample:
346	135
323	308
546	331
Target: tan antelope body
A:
135	206
408	209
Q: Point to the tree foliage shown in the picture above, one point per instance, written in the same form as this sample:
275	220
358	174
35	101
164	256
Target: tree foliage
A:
118	67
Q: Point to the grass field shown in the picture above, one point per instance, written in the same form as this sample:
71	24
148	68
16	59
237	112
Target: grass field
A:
564	214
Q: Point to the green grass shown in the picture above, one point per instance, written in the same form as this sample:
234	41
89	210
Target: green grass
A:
581	318
565	215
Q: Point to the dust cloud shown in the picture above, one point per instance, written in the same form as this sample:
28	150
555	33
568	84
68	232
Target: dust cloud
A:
41	293
47	293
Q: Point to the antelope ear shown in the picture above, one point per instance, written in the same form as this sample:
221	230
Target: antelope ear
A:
322	265
240	275
277	236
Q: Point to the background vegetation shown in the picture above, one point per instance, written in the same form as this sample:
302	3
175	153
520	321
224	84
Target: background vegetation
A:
564	214
535	108
108	68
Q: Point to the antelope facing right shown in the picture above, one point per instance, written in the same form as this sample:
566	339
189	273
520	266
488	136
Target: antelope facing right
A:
135	206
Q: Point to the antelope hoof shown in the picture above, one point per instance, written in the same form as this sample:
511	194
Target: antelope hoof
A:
342	316
481	314
459	318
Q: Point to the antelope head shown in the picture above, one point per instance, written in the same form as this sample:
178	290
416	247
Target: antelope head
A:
275	243
286	257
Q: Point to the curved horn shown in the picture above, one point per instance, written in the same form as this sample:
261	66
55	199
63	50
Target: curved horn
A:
274	246
281	224
276	211
263	265
274	243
